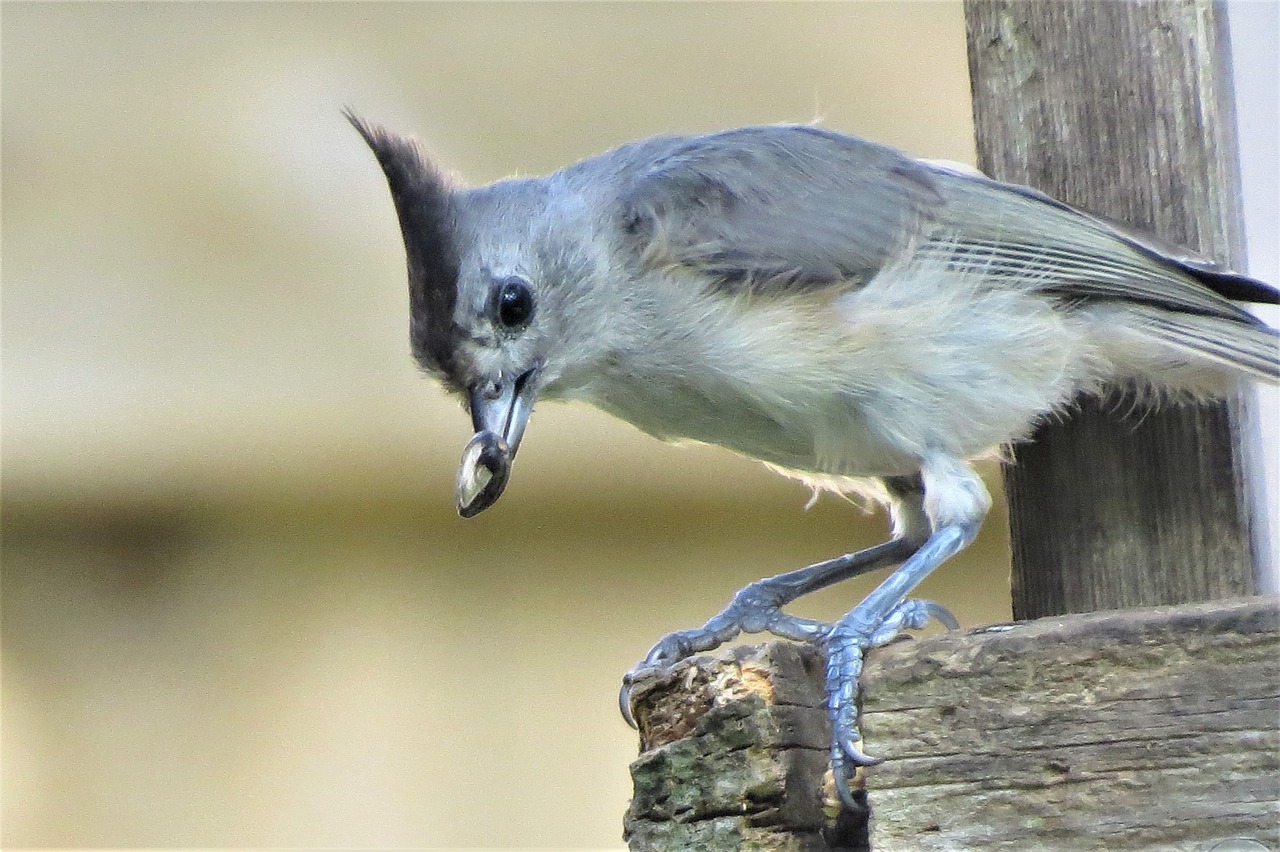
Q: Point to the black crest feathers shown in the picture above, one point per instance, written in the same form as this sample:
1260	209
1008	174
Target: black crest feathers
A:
424	204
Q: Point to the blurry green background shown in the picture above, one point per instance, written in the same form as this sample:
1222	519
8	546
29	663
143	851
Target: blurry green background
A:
238	607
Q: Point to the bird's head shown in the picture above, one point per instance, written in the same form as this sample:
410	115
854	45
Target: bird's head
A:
489	299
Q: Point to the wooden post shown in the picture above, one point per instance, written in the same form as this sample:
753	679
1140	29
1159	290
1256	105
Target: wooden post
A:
1123	109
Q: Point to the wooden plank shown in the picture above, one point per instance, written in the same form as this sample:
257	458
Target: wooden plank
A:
1142	729
1138	730
1124	109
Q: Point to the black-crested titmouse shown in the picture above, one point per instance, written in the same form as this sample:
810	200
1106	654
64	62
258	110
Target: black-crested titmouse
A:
855	318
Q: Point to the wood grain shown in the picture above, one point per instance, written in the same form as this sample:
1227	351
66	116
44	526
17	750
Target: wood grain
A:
1138	730
1141	729
1123	109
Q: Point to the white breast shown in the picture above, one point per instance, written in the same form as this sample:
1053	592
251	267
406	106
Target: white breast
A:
853	384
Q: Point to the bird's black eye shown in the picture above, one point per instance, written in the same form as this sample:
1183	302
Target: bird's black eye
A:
513	303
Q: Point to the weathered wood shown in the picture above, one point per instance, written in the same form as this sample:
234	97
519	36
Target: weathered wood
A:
1142	729
734	756
1139	729
1124	109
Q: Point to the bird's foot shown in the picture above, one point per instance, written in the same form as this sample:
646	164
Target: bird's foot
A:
844	645
755	609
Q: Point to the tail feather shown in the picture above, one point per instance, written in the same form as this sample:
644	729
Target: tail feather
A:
1252	349
1232	285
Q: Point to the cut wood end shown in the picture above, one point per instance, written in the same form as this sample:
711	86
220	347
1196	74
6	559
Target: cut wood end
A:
667	703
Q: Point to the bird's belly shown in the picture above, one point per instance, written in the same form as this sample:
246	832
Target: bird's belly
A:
826	434
866	385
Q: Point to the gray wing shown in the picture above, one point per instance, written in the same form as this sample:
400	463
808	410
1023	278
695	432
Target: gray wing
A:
1018	234
764	208
768	209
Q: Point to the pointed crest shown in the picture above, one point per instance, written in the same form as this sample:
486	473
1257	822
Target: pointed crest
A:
424	204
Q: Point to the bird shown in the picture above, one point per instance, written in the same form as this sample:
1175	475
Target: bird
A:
860	320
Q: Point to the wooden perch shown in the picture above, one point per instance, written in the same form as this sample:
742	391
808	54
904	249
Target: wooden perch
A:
734	751
1137	729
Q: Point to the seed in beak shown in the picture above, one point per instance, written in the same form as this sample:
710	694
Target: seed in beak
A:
486	463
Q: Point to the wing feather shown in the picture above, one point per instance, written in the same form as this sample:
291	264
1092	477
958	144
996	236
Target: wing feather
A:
769	208
774	209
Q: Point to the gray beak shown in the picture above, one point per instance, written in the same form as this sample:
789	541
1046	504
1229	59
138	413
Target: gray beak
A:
499	412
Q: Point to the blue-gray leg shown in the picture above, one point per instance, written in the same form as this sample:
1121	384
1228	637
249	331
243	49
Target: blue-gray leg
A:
955	502
872	623
758	609
936	514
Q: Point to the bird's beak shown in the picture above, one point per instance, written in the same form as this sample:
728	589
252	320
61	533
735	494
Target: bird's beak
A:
499	413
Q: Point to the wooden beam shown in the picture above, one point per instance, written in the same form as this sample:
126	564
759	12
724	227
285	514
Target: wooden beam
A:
1135	729
734	756
1123	109
1141	729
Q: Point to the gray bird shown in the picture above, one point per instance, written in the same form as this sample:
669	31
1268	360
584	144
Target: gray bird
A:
854	318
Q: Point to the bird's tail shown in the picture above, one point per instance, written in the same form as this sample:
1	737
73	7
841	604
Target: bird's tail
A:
1251	349
1190	354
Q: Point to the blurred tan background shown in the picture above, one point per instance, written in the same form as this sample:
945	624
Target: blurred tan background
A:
238	607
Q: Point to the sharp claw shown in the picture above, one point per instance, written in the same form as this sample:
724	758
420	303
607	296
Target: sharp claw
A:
669	650
943	616
861	759
841	780
846	795
624	703
852	750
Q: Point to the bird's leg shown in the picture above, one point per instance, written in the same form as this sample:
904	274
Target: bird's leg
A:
956	502
947	498
758	607
872	623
